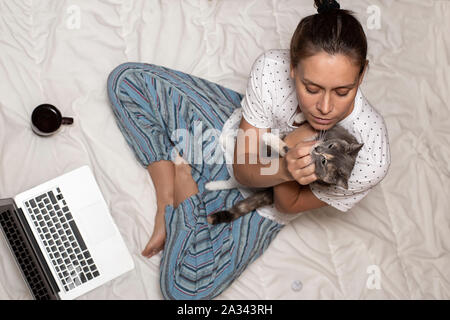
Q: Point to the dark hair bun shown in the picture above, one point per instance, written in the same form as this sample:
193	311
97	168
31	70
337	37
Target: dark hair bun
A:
326	5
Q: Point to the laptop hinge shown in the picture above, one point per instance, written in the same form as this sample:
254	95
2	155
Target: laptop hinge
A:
37	255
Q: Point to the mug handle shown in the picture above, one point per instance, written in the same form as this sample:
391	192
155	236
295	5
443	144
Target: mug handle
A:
66	120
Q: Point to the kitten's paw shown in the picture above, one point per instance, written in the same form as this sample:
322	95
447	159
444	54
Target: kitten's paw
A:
275	143
220	185
267	138
212	185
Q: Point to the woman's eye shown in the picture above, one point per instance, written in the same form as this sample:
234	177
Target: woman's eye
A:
342	94
311	91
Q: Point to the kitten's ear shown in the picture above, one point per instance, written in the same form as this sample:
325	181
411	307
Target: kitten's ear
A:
353	148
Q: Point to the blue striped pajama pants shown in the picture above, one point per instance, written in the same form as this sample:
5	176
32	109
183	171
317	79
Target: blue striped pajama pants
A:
150	102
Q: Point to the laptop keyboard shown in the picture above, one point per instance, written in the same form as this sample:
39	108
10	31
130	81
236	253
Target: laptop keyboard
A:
62	239
23	256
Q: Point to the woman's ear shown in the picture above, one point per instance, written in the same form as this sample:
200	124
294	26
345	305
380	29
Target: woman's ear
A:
292	73
361	77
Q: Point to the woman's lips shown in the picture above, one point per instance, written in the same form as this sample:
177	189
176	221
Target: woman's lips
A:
322	121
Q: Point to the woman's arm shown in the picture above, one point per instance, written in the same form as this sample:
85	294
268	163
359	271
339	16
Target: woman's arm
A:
247	166
289	195
292	197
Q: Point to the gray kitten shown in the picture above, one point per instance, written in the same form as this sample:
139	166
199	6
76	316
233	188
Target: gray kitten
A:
334	156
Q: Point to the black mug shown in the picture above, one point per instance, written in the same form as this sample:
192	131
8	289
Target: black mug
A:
46	120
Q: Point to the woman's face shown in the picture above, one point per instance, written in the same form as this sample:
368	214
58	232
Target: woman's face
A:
326	87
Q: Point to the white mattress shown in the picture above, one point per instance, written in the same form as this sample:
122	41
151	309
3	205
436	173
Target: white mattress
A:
401	229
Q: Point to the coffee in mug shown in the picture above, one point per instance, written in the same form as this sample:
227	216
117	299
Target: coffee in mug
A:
46	120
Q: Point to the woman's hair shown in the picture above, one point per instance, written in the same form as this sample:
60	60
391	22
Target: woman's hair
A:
332	30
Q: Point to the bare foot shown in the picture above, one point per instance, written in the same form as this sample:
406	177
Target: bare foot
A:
158	238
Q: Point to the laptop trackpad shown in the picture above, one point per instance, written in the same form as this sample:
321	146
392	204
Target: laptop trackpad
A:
95	224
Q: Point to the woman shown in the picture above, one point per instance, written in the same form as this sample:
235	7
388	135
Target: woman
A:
319	76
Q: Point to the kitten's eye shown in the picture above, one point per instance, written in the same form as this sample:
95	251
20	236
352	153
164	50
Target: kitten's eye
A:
324	161
330	146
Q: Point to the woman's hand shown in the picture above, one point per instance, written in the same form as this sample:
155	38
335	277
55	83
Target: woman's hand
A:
298	159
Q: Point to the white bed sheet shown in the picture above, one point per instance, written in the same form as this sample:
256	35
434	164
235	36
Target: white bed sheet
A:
402	228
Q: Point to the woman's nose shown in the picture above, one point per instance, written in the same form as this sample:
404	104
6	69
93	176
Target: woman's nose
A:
325	105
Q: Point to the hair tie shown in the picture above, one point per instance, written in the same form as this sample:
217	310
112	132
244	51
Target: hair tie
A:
327	5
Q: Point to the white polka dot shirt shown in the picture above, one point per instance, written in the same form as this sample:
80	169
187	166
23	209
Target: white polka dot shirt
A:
270	101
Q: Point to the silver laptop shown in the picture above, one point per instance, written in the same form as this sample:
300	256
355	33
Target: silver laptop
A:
63	237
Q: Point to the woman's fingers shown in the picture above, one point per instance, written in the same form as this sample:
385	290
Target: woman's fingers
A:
304	148
301	149
305	176
299	163
300	154
307	171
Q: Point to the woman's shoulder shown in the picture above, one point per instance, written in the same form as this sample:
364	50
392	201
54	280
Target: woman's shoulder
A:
370	128
370	121
280	56
271	69
277	54
365	120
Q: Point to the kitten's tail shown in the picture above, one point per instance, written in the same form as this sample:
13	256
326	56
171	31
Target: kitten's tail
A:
243	207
